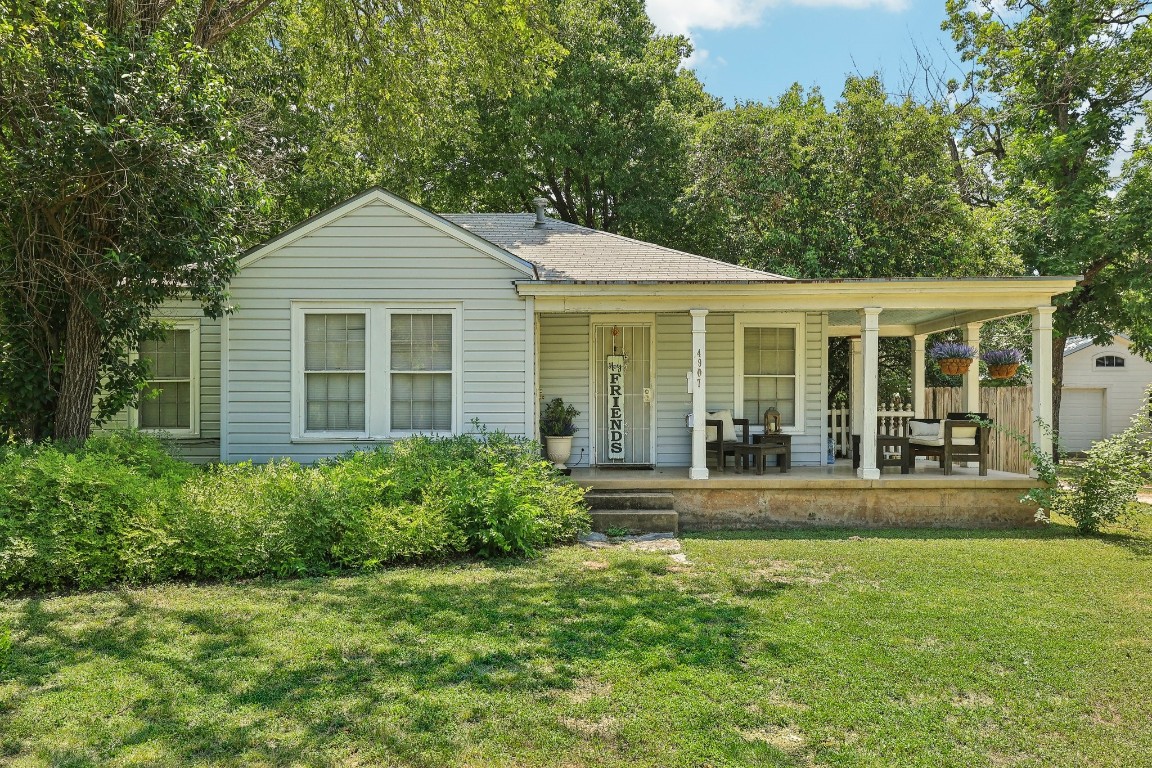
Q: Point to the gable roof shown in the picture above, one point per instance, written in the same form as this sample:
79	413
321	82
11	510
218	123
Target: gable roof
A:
1075	344
570	252
379	195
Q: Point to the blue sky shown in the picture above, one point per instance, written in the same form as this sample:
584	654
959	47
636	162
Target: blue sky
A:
755	49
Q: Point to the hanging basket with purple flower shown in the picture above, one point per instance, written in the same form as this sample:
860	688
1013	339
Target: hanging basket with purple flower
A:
953	357
1002	363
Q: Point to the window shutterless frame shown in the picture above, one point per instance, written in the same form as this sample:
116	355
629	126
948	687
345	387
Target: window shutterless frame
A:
377	367
192	326
788	320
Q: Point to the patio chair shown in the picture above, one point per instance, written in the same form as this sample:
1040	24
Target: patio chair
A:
723	441
949	441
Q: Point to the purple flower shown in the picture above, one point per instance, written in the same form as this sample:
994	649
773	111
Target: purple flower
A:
1003	357
943	350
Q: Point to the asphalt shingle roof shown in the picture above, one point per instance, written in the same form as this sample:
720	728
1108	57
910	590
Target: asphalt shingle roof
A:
563	251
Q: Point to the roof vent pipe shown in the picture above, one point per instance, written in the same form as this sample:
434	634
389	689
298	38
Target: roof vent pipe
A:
540	203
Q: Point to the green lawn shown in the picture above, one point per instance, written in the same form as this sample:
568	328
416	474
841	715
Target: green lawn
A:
812	647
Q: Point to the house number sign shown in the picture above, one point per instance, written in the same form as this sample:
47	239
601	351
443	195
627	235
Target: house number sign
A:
615	406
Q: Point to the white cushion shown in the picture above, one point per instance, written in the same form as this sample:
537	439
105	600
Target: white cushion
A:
928	429
729	426
939	441
963	433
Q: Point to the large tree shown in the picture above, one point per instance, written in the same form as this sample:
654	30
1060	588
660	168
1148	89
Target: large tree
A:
604	141
143	142
1056	84
866	188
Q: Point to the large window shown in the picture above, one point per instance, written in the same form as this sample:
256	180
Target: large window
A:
769	371
421	372
374	371
170	402
334	372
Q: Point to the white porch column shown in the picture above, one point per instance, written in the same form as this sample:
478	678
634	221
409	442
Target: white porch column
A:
699	468
870	350
1042	378
855	385
918	392
971	390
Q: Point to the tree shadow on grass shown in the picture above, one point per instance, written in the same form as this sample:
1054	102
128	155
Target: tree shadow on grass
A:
409	667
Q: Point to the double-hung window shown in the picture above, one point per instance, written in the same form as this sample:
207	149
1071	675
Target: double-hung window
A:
375	371
335	351
171	398
769	375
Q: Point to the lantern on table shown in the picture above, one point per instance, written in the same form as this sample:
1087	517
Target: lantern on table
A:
772	421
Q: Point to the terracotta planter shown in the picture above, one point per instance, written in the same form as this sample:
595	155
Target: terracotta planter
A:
559	451
1003	371
955	366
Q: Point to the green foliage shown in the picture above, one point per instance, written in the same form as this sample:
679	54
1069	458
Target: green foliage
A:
558	419
5	645
118	509
1114	471
604	141
866	188
1054	88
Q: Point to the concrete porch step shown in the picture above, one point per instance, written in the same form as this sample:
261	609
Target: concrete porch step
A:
629	500
636	520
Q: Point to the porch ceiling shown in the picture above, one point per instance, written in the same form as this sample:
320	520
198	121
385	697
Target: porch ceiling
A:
906	322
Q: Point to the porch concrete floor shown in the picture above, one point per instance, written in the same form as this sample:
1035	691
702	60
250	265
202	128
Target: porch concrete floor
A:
841	475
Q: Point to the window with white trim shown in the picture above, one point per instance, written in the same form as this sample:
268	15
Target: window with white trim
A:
335	351
770	370
1110	361
171	398
374	371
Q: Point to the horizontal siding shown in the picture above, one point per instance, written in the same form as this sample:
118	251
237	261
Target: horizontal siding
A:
563	365
1124	388
374	254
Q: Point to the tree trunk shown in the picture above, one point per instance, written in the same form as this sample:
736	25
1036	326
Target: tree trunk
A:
81	370
1057	389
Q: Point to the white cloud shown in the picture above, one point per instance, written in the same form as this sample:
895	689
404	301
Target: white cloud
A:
680	17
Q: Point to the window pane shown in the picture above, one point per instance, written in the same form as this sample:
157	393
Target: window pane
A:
421	342
764	392
335	402
769	351
422	401
170	409
170	356
334	342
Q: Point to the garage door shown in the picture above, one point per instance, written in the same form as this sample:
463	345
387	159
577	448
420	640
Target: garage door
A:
1081	418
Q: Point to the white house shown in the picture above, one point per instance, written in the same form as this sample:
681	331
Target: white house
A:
378	319
1104	387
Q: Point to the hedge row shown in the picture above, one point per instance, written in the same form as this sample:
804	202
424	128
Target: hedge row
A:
120	509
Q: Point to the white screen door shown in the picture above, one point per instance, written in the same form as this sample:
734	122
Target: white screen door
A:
622	377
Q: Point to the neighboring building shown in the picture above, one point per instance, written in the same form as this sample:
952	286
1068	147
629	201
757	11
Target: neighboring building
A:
1104	387
378	319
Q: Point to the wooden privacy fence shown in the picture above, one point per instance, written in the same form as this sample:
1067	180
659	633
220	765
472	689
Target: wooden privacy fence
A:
1010	408
1007	407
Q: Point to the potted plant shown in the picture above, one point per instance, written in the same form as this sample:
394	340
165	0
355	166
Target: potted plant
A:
953	357
1002	363
558	423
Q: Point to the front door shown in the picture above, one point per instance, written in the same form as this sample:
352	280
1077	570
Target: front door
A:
622	393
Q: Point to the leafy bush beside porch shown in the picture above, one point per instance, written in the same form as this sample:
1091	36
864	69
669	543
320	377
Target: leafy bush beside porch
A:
119	509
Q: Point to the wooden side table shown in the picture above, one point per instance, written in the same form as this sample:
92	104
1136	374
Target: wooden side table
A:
763	446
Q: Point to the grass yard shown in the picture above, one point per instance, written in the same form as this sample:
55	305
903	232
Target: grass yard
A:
808	647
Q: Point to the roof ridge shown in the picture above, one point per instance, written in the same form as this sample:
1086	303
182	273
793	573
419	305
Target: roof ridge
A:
572	225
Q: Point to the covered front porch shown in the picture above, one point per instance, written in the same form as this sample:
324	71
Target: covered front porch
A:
690	349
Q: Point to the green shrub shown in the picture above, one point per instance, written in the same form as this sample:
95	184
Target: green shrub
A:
1112	475
80	519
119	508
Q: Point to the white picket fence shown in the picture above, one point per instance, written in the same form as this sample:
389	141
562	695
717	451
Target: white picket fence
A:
891	419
